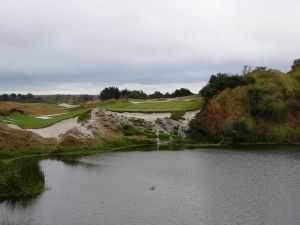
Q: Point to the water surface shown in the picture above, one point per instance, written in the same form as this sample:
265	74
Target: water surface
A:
205	186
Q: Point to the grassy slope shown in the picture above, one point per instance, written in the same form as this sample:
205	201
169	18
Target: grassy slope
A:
176	105
235	105
31	122
11	139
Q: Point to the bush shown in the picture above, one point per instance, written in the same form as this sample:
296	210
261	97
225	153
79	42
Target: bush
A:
109	93
199	132
222	81
238	132
129	130
272	107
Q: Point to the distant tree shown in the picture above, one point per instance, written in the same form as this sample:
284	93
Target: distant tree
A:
5	97
29	97
137	94
156	94
181	92
124	93
168	95
13	97
296	64
109	93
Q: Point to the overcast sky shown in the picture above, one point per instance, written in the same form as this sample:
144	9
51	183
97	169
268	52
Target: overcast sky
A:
81	46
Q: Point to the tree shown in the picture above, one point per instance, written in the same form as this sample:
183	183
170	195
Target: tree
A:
109	93
296	64
156	94
137	95
222	81
181	92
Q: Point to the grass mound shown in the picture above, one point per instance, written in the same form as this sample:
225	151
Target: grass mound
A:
267	110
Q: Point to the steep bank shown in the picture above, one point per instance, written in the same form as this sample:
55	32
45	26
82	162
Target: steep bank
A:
264	110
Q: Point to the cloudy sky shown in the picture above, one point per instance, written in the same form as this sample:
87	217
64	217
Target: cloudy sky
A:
76	46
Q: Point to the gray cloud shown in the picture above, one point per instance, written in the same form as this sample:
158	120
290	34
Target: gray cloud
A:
74	46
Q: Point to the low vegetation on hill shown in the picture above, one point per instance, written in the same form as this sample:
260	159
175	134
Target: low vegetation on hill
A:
260	106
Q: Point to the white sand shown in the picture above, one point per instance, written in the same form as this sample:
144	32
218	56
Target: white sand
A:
68	105
146	116
53	131
47	117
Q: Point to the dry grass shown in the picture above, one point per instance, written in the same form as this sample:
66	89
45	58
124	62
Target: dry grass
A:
31	108
11	139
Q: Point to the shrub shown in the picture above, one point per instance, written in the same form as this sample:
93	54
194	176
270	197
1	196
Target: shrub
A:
129	130
199	132
222	81
281	133
238	132
272	107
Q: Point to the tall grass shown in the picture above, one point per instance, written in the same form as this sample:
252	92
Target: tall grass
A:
21	178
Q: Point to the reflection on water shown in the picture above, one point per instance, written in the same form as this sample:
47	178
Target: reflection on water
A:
205	186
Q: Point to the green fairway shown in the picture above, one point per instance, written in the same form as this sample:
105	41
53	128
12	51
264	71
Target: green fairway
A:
31	122
185	104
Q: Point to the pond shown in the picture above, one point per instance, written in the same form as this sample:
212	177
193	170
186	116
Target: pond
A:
201	186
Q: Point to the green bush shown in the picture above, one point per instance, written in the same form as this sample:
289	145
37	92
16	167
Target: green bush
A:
237	132
222	81
199	132
281	133
272	107
129	130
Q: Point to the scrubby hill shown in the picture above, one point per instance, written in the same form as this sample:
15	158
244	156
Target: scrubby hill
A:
265	108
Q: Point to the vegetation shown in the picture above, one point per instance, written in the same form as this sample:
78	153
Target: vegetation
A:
21	178
261	106
115	93
188	104
177	115
33	122
109	93
30	98
222	81
296	64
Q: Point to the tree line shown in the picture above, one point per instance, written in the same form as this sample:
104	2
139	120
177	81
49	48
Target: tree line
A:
115	93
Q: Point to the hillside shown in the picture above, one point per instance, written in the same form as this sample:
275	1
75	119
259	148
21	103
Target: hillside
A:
266	109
